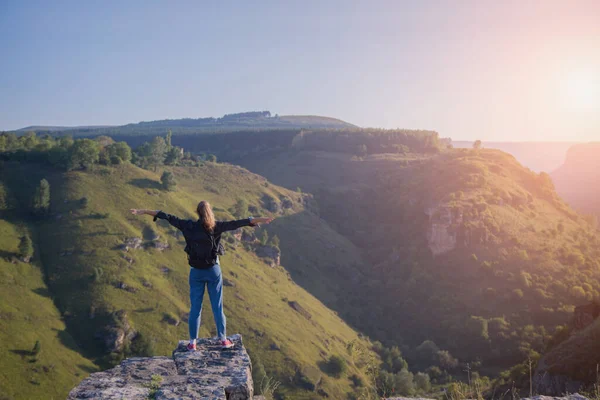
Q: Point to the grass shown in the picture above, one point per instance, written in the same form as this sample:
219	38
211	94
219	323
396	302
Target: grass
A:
84	269
28	314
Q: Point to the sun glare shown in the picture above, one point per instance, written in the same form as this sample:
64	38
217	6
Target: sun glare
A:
582	90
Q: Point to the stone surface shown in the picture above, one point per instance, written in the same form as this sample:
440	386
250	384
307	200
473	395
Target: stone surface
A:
272	253
208	373
575	396
296	306
132	243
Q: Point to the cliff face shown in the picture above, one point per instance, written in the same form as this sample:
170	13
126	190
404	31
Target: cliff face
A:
577	179
571	365
209	373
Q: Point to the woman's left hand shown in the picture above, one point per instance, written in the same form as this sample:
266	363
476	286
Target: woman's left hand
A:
137	211
262	220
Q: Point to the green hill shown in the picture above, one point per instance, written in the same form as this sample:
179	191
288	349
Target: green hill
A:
466	248
135	301
28	315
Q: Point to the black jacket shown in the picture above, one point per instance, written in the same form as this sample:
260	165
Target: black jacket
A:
198	238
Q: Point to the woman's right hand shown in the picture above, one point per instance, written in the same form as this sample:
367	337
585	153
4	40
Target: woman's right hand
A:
135	211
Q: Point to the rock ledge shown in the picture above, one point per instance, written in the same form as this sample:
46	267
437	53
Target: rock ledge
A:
208	373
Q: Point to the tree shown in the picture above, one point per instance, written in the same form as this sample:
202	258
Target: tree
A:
29	140
264	237
65	142
168	139
422	382
274	241
37	348
173	155
83	154
211	158
168	181
41	198
26	248
158	148
477	144
116	153
240	209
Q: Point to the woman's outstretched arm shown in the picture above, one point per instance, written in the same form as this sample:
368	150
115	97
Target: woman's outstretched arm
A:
173	220
135	211
223	226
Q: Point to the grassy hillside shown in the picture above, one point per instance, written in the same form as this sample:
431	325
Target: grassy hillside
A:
28	315
91	279
466	248
577	179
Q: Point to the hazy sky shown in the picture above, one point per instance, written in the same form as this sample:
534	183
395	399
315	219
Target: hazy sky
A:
493	70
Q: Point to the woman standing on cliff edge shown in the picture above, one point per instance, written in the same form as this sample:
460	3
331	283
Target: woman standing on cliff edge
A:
203	247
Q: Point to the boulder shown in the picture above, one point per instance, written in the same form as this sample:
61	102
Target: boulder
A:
160	246
227	282
297	307
131	243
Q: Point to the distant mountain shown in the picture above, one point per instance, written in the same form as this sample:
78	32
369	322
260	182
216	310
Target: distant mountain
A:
39	128
577	179
253	120
537	156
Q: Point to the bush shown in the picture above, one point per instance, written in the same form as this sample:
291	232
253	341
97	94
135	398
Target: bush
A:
336	366
26	247
422	382
356	380
141	346
168	181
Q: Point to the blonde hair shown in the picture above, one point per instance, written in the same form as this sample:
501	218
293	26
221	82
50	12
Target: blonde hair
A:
206	215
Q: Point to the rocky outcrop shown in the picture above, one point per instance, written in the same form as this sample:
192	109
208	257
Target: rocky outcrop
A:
117	333
585	315
440	237
301	310
272	253
571	365
209	373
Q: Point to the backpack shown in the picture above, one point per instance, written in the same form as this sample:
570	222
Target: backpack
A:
200	256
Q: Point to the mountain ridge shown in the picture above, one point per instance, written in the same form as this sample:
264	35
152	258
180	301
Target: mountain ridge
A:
253	119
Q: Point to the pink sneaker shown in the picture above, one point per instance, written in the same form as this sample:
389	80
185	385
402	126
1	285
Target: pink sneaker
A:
191	347
227	344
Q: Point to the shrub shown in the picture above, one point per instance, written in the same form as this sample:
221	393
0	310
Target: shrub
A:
422	382
168	181
141	346
336	366
26	247
356	380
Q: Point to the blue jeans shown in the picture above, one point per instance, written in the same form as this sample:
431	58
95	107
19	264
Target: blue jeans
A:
199	278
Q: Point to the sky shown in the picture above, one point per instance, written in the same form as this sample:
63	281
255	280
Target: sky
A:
505	71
